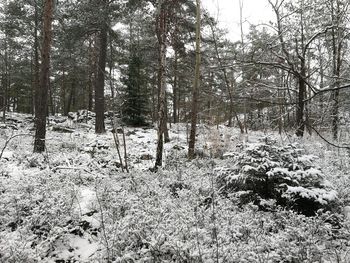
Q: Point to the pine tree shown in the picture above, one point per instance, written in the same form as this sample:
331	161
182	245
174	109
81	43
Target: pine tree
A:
42	99
135	105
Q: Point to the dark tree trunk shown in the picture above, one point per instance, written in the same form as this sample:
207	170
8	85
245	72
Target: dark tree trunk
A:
100	80
301	102
195	90
92	73
36	55
6	82
175	91
41	103
335	114
2	102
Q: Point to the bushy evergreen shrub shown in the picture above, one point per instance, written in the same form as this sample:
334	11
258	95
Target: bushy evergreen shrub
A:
264	171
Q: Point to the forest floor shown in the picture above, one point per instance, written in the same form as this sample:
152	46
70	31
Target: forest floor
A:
74	203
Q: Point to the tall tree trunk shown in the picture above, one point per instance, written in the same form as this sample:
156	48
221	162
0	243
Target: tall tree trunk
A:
166	130
301	78
111	60
175	91
92	72
2	91
6	81
337	36
154	99
51	100
320	54
195	90
161	34
301	102
41	107
36	55
335	113
100	80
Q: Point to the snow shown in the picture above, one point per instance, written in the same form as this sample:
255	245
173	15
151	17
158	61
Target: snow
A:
76	248
278	170
322	196
86	200
7	155
346	212
49	209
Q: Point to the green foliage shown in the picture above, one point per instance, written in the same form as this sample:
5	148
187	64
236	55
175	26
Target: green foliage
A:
15	61
284	174
136	96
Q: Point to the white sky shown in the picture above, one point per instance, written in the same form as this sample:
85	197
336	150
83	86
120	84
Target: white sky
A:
227	14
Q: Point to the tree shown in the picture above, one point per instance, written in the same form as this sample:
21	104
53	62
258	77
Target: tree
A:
101	65
294	55
337	11
196	81
161	35
16	91
42	95
229	84
135	104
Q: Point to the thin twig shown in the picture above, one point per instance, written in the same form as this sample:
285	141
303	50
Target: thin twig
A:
9	139
327	141
125	152
116	141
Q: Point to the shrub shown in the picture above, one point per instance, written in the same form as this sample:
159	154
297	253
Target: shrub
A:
284	174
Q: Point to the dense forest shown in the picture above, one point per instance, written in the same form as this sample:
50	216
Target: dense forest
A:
138	131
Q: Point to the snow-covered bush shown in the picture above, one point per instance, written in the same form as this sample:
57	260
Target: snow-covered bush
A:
264	171
34	210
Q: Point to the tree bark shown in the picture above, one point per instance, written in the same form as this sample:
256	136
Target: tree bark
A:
161	34
337	36
42	99
36	55
175	90
166	130
92	71
100	80
301	103
6	81
195	90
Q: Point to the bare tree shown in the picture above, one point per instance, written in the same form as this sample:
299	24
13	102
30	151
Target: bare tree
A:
294	55
229	84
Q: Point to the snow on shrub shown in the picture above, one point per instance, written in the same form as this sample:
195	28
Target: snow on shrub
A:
265	171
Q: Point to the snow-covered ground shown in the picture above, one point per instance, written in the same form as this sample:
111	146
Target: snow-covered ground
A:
75	204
